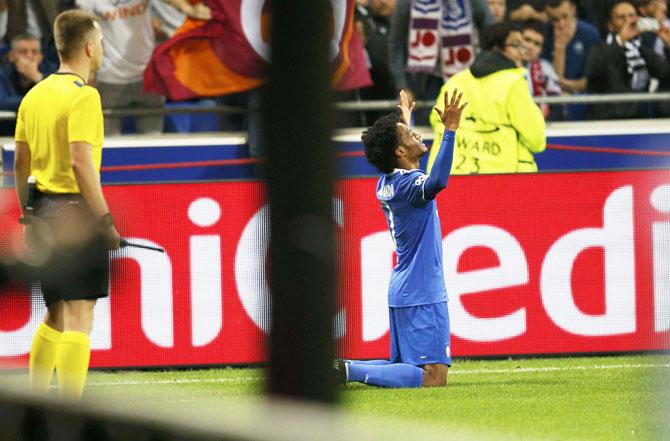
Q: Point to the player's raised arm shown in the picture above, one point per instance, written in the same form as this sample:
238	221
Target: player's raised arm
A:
451	118
406	107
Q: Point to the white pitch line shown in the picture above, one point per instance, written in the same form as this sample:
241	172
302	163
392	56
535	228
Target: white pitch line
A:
175	381
451	372
556	368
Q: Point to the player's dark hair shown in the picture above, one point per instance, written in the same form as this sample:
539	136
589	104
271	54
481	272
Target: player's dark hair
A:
496	35
534	25
380	142
71	31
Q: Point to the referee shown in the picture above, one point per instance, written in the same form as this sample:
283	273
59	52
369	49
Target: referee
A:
59	136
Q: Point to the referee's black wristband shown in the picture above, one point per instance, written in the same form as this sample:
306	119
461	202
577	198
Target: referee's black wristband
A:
105	221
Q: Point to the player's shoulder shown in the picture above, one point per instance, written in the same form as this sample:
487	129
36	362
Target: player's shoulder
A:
412	177
399	182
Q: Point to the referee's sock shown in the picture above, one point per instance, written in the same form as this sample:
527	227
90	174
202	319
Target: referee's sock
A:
386	375
43	354
74	353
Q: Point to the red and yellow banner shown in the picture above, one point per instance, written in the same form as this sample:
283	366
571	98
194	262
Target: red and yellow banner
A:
230	53
534	264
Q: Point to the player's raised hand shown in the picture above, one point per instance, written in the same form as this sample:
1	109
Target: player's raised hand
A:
406	107
451	114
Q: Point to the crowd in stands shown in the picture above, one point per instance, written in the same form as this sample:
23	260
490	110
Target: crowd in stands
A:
569	47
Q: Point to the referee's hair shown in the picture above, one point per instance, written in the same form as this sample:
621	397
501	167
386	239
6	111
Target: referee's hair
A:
380	142
71	31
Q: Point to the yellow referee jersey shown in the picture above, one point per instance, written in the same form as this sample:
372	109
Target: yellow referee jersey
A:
57	111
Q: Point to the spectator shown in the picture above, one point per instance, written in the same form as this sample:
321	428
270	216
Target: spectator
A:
372	22
168	15
501	127
524	10
3	19
36	18
166	19
623	64
444	41
653	19
567	45
595	12
196	10
541	76
659	10
498	9
655	15
129	43
21	71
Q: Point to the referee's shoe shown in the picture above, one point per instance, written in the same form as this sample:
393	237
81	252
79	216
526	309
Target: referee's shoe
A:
341	368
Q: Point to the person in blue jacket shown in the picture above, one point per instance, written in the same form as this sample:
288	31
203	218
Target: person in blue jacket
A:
22	69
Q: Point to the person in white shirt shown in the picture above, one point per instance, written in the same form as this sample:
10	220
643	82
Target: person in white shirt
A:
166	19
129	43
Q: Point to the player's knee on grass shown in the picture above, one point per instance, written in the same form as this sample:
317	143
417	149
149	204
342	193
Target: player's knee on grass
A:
434	375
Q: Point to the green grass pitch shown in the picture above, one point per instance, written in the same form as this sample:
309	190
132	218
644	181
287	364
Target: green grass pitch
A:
586	398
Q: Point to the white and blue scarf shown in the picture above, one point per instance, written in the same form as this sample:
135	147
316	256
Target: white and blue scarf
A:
636	65
440	26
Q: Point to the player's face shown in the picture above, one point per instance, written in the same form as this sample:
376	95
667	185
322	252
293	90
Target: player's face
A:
411	141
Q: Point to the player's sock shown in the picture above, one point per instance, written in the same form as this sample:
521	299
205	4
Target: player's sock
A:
43	354
372	362
74	353
388	375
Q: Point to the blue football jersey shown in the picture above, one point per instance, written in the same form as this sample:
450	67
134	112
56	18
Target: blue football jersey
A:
418	277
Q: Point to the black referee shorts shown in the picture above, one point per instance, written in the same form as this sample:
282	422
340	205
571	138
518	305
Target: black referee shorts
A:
77	260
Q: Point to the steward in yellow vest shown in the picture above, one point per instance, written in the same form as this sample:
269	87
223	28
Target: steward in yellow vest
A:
501	127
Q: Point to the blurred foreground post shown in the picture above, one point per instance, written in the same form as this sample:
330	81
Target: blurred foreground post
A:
297	134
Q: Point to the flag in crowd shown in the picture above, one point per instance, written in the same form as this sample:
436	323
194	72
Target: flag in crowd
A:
230	53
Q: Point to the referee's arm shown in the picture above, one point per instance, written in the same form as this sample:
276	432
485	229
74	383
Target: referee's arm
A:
21	172
89	185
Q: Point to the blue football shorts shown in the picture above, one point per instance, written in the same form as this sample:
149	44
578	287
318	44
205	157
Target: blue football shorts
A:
420	334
